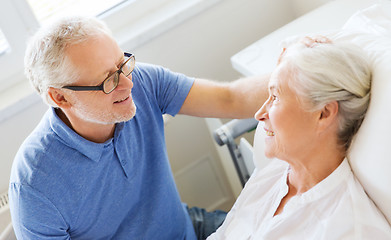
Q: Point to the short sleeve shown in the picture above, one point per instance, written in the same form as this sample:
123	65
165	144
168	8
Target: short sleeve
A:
34	216
168	88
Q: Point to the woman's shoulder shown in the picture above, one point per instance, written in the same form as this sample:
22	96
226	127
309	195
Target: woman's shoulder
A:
354	209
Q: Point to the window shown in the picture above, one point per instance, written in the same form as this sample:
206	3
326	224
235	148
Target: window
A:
46	9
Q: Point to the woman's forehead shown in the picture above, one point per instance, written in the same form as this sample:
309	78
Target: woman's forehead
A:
281	81
278	77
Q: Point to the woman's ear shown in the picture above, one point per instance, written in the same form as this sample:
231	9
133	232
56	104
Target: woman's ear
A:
58	97
328	115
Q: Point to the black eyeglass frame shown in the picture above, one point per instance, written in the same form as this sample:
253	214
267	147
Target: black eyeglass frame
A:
116	80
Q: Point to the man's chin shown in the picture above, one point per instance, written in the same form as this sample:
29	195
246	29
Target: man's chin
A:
128	117
108	118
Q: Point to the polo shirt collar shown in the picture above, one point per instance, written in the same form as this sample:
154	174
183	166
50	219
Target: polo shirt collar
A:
73	140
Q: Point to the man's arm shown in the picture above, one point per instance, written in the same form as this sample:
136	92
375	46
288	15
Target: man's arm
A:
238	99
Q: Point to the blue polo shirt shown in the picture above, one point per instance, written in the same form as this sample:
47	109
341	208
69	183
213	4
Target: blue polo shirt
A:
63	186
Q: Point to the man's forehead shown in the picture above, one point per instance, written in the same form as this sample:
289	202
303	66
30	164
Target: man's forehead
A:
102	47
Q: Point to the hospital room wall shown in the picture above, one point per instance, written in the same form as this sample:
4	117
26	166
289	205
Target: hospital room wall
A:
199	47
299	7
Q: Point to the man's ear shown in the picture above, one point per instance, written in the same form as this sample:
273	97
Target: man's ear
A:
58	97
328	115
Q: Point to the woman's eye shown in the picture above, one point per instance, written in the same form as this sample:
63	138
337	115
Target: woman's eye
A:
274	98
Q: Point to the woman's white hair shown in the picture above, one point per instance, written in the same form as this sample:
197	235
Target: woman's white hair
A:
46	64
332	71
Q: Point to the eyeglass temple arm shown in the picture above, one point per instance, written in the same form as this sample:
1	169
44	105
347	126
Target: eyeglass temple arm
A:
84	88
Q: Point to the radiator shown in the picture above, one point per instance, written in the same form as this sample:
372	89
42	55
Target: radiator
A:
6	230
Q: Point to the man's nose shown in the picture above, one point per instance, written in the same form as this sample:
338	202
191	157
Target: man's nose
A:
125	82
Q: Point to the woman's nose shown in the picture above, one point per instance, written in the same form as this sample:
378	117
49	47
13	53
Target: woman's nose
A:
262	114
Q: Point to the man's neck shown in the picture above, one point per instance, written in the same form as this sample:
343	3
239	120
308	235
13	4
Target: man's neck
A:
93	132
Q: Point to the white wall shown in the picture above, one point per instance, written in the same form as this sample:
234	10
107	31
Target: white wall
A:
199	47
300	7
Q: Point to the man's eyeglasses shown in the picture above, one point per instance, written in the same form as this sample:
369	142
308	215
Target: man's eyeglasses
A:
111	82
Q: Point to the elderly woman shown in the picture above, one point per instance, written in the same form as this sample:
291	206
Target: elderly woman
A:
318	96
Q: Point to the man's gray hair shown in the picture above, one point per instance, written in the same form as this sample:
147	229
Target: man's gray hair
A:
46	64
334	71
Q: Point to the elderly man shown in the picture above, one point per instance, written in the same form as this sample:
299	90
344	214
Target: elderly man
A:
94	168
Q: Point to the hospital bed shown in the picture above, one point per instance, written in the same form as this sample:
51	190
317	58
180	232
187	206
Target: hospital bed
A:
368	26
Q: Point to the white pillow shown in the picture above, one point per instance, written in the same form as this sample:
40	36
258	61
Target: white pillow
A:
370	155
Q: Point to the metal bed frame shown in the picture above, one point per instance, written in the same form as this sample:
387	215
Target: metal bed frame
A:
241	153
